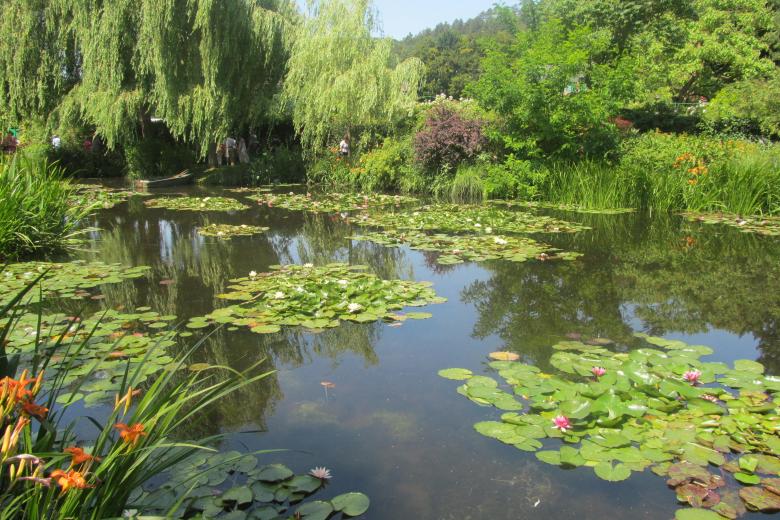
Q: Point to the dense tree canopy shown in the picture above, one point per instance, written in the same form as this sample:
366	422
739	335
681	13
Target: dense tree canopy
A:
204	67
341	78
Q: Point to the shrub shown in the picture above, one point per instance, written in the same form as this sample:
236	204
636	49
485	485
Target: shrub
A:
447	139
514	178
381	169
748	107
36	215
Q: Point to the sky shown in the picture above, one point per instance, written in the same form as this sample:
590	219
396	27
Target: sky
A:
401	17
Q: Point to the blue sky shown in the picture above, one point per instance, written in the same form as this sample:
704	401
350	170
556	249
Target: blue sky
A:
401	17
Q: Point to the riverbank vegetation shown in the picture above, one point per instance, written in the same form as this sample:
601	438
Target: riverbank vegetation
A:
664	105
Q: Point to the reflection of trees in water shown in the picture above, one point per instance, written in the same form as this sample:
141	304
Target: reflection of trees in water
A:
322	239
645	268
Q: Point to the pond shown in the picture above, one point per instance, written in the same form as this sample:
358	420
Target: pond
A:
365	399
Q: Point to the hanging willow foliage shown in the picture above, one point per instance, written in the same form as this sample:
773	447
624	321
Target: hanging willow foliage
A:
206	67
342	78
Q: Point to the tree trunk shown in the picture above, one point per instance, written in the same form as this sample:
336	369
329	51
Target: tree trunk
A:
212	155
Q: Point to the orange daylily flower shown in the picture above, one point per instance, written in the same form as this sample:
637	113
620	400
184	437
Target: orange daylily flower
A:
79	456
69	479
34	410
131	434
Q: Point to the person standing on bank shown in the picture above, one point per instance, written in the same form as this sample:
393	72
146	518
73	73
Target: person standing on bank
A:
344	146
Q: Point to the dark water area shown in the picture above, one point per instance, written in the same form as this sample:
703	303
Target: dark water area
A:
391	427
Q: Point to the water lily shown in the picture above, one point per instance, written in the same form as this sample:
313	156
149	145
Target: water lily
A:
278	295
692	376
500	241
321	473
710	398
598	371
343	283
488	230
252	274
562	423
308	266
354	307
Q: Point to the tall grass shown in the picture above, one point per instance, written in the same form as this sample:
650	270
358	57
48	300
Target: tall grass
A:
588	184
35	213
468	185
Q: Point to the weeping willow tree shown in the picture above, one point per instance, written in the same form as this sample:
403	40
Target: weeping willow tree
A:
341	78
205	67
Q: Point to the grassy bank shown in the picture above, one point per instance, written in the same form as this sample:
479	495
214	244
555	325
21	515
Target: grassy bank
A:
36	216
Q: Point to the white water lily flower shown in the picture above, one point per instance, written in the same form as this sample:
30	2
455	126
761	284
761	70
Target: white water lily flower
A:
220	234
279	295
206	199
477	225
321	473
488	229
244	226
308	266
500	241
343	283
299	289
354	307
252	274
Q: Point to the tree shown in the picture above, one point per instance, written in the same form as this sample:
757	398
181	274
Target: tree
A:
205	68
341	78
556	99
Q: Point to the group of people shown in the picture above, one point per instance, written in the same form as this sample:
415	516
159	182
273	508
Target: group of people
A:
232	152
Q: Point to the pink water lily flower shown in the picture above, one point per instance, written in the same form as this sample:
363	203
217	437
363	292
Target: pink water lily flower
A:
598	371
692	376
562	423
321	473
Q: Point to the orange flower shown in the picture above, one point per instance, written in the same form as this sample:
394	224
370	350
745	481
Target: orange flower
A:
31	409
69	479
131	434
692	182
79	456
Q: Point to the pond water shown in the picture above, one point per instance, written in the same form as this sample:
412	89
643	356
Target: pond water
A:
391	427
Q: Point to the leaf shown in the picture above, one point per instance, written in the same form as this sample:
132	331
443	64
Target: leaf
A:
456	374
746	365
758	498
610	473
351	504
239	495
747	478
317	510
549	457
696	514
418	315
273	473
504	356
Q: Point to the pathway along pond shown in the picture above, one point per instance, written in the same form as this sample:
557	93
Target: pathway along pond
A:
388	425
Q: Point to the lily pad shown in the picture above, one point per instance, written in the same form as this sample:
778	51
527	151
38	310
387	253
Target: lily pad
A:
196	204
226	231
351	504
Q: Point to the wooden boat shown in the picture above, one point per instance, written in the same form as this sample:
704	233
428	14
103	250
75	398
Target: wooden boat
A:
179	179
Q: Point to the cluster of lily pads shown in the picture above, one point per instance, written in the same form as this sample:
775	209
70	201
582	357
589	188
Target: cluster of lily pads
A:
197	204
454	218
769	226
316	298
457	249
563	207
91	356
331	202
99	196
227	231
234	486
71	280
658	406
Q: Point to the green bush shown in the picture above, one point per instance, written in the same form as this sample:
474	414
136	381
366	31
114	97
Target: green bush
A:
747	107
381	169
157	157
36	216
514	178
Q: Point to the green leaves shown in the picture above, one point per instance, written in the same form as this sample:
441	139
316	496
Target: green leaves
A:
331	202
456	374
641	413
196	204
351	504
226	231
316	298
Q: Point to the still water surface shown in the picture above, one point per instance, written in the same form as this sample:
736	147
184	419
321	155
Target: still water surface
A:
391	427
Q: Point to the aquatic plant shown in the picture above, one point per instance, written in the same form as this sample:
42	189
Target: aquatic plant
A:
574	208
457	249
95	195
36	216
467	219
761	225
331	202
70	280
316	298
658	406
226	231
196	204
